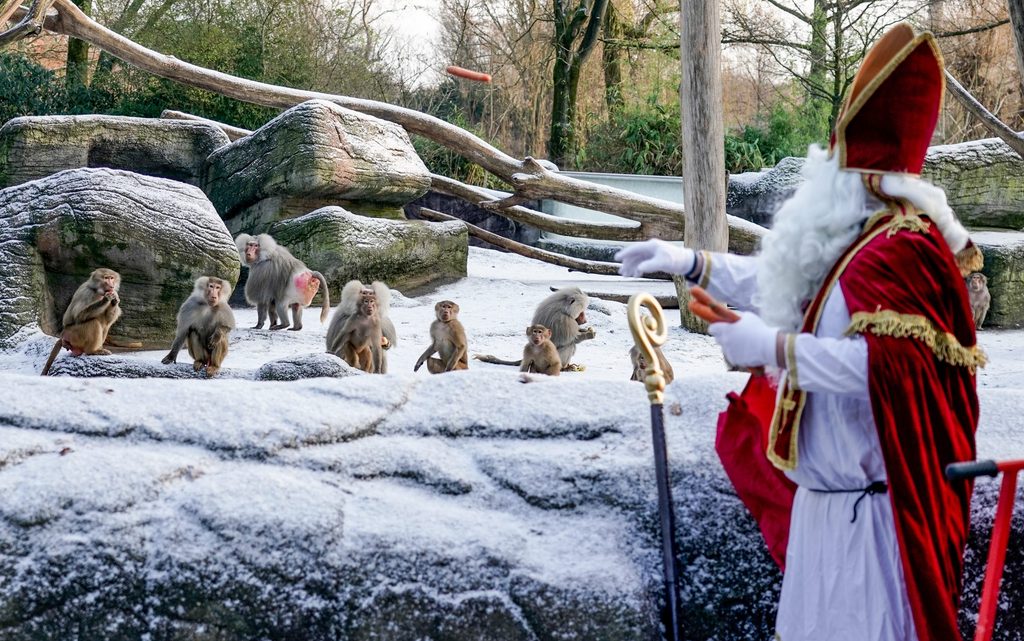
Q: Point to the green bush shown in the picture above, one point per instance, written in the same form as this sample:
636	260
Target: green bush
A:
639	139
28	89
759	145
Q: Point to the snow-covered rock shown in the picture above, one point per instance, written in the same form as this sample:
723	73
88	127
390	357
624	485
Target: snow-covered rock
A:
33	147
983	179
121	367
293	368
312	155
756	196
405	254
458	506
158	234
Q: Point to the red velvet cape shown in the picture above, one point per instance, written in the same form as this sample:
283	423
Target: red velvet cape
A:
925	406
906	296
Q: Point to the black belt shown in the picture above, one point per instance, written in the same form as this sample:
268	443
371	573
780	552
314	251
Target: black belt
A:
878	487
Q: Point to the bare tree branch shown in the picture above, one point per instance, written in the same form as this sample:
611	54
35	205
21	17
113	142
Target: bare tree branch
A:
578	264
978	29
990	121
30	24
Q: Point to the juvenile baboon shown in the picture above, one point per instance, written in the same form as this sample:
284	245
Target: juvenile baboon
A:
277	280
977	294
94	307
448	340
540	355
204	322
361	330
563	312
640	365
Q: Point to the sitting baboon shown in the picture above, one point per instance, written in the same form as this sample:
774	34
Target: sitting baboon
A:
204	322
640	365
448	341
540	355
979	297
94	307
361	330
563	312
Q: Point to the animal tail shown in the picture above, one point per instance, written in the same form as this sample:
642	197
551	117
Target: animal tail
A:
325	308
113	342
53	355
487	358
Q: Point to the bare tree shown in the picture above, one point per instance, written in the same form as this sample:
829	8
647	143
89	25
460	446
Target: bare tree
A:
77	67
821	46
577	26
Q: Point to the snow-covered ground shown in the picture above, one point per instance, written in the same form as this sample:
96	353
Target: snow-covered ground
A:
497	300
314	508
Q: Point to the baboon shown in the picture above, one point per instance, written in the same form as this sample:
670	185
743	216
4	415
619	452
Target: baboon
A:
277	280
563	312
448	340
540	355
204	322
640	365
977	294
361	330
94	307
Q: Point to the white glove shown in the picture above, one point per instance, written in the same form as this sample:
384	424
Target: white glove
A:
748	342
655	256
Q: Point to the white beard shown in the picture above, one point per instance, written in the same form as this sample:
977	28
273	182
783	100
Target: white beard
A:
810	232
819	222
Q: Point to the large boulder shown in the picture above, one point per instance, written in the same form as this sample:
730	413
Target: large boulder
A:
390	507
1004	266
312	155
756	196
405	254
37	146
158	234
983	179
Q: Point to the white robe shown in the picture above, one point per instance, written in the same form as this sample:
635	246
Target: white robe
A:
843	580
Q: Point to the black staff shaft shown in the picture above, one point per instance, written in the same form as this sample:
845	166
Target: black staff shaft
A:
666	511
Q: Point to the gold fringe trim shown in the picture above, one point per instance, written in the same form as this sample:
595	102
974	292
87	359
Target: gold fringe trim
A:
969	259
944	345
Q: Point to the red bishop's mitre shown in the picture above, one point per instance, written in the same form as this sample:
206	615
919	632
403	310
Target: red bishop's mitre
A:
888	118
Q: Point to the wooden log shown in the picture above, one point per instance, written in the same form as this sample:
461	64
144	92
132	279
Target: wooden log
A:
545	222
577	264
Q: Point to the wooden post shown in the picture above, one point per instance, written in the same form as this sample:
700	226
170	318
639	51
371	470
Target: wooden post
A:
700	93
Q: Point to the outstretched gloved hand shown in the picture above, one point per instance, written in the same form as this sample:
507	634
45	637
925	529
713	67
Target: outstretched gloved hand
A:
655	256
748	342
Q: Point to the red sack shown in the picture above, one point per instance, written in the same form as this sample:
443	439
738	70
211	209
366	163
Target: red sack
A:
741	443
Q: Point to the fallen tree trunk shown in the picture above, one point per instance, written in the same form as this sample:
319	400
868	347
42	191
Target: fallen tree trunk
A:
578	264
529	177
482	198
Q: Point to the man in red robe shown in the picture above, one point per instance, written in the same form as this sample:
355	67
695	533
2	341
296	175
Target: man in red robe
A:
858	305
